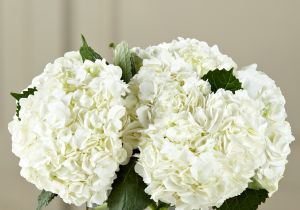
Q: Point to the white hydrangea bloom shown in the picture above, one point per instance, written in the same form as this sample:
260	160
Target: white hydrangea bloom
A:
198	54
176	84
69	136
198	159
197	148
191	57
278	134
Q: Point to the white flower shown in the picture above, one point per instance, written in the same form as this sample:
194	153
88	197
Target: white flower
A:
198	159
198	54
278	134
187	60
158	90
197	148
69	136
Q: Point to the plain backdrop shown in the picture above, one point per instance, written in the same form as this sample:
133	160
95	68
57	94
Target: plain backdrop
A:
35	32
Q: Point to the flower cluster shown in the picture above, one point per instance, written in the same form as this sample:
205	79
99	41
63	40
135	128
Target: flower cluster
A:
68	135
278	135
198	140
199	148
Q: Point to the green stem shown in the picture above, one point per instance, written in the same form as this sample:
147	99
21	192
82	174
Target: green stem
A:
159	206
152	206
101	207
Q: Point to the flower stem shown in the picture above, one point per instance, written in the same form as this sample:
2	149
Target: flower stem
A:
152	206
159	206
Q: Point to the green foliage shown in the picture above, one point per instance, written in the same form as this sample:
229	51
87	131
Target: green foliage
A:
128	61
136	63
112	45
102	207
122	58
128	190
87	53
159	206
222	79
248	200
44	199
24	94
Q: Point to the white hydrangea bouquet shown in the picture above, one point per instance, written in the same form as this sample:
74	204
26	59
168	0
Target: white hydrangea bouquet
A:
173	125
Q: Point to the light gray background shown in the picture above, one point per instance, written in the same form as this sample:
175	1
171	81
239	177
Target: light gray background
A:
34	32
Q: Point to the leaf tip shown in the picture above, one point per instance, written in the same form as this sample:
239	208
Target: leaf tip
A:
14	95
112	45
83	40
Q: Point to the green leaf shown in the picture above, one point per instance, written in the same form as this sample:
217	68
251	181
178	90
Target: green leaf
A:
136	63
248	200
222	79
128	190
23	94
128	61
122	58
44	199
87	53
